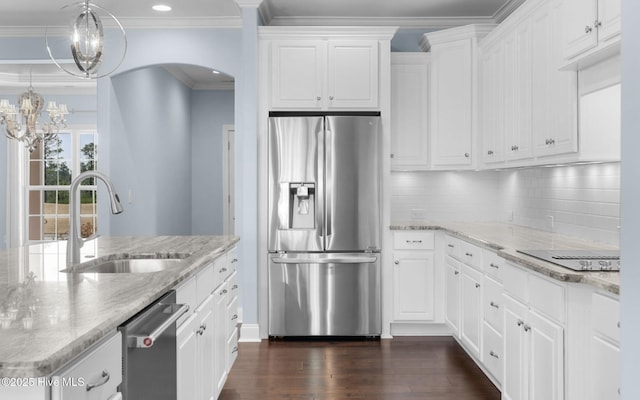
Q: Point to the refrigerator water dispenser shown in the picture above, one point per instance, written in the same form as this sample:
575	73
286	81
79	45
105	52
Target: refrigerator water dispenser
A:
302	205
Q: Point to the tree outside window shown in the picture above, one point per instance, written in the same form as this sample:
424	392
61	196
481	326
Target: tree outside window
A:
52	167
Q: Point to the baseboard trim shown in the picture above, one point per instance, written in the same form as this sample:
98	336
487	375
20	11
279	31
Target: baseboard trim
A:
249	333
419	329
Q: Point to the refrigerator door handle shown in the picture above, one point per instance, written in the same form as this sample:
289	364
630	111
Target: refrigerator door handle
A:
336	260
329	182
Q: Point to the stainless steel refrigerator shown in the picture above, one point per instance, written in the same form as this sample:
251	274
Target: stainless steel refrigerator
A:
324	225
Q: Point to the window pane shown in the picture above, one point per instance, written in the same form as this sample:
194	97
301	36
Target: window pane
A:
64	145
50	202
62	227
87	202
35	202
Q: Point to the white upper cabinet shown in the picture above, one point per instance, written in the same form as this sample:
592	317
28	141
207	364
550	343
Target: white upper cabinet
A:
298	72
554	92
409	111
323	68
454	87
590	26
492	120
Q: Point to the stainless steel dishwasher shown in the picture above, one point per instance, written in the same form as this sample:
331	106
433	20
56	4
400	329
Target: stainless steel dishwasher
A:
149	351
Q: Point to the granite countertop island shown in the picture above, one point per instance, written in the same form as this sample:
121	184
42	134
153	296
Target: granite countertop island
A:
61	314
506	239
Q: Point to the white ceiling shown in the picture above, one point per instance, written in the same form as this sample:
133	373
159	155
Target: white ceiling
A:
34	15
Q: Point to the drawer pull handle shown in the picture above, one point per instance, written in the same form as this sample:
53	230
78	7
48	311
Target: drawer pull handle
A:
492	354
456	272
468	254
235	316
234	287
520	322
223	292
414	241
494	305
105	378
527	328
477	285
235	350
235	260
618	324
223	269
396	262
496	266
450	245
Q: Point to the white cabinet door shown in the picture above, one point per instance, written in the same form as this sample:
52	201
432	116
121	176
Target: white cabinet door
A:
187	359
206	355
580	33
409	111
518	89
605	369
352	74
554	92
413	281
546	358
220	337
492	116
297	76
514	385
452	103
471	309
452	294
609	19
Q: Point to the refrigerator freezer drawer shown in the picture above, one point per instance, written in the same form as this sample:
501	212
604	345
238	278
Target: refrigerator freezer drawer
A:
324	295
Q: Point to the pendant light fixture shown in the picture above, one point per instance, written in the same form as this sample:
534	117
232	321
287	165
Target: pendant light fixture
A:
95	52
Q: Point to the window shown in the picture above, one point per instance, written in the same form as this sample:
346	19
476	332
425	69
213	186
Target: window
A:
52	167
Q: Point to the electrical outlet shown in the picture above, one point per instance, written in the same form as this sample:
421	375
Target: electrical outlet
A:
418	213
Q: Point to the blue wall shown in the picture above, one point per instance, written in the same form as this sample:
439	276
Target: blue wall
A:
150	153
210	110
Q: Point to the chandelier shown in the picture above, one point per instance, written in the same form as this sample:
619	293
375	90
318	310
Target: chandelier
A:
95	52
21	121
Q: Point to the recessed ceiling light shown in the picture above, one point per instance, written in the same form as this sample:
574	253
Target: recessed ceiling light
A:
161	7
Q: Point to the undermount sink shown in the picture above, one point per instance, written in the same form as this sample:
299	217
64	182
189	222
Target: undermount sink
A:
129	265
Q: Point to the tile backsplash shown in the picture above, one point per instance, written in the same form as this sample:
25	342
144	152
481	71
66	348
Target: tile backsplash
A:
578	200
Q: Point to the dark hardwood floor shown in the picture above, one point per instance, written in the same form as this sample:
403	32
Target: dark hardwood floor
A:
430	368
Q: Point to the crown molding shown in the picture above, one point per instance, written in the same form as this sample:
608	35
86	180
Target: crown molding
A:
402	22
249	3
370	32
462	32
507	9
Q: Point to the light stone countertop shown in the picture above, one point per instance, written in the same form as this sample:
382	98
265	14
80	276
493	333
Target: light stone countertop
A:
505	239
73	311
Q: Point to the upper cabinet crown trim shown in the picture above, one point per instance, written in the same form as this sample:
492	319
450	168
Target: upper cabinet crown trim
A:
459	33
328	32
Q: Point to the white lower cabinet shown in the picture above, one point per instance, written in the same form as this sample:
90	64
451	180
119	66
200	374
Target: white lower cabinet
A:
95	376
471	309
605	347
533	354
452	295
203	340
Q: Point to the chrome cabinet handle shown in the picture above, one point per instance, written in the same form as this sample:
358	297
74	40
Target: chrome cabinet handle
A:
492	304
466	155
549	141
223	269
468	254
234	287
492	265
235	260
490	152
520	322
235	316
597	23
587	29
235	350
318	98
477	285
514	148
396	262
456	272
105	378
414	241
330	97
527	328
450	245
223	292
492	354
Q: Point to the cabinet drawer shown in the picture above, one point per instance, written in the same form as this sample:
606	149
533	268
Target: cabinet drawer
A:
452	246
232	349
492	351
547	297
220	269
514	281
492	303
102	364
205	283
232	316
606	316
186	294
492	264
412	240
471	255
